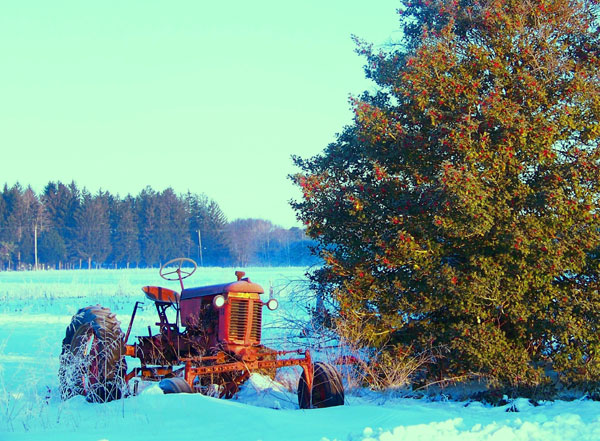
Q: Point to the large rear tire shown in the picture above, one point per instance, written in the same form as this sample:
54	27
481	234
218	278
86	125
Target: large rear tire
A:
92	361
327	390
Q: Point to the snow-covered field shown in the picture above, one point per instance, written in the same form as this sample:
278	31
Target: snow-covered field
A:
36	307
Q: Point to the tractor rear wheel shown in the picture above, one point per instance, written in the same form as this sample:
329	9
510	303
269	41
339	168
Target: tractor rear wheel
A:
176	385
327	389
92	361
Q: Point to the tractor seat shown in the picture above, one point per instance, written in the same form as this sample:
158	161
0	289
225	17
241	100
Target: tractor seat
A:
159	294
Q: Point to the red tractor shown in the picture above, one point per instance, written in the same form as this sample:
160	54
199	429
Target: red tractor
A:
211	347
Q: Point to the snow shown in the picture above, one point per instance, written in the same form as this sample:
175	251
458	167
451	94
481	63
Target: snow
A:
36	307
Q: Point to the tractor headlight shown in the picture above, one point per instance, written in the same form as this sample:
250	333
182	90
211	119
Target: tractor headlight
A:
219	301
272	304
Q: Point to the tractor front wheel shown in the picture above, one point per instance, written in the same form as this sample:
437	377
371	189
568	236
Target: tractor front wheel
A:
175	385
92	361
327	389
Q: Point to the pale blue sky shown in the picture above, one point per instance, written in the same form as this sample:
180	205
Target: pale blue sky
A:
208	97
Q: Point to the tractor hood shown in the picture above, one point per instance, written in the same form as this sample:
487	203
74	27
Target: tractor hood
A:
243	285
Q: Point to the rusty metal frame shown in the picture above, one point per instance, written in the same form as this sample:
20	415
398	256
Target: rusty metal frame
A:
153	373
135	308
192	370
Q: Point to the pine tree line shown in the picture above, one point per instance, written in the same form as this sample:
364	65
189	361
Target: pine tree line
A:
68	227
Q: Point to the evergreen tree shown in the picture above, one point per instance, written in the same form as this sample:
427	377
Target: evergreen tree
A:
51	248
34	220
148	219
8	234
91	238
172	226
207	225
61	202
124	227
25	216
460	210
4	252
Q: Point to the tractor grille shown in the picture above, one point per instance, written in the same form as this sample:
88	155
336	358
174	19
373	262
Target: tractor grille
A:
239	320
239	317
256	321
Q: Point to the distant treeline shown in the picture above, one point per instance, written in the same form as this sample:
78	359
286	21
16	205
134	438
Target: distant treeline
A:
68	227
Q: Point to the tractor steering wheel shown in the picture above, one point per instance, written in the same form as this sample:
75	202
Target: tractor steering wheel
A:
182	273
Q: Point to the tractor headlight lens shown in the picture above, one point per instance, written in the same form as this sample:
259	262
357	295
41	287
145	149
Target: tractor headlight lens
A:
272	304
219	301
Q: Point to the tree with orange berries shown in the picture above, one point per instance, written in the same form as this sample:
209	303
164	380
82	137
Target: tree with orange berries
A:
460	209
